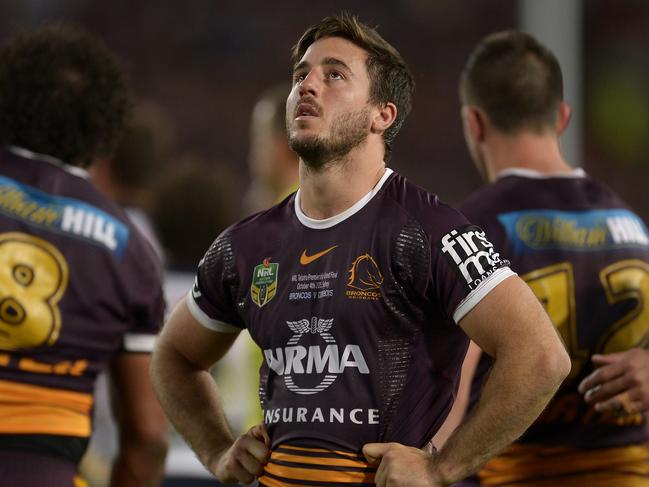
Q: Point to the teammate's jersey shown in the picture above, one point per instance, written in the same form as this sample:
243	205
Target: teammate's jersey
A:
356	317
585	255
78	284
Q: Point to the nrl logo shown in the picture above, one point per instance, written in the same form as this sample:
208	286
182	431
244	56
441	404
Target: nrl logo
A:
314	360
264	282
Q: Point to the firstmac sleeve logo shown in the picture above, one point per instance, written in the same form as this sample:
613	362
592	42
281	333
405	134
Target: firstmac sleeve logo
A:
471	253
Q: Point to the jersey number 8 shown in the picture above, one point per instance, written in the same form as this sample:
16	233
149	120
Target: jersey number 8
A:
33	278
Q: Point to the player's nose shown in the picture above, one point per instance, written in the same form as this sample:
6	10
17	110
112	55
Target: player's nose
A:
310	85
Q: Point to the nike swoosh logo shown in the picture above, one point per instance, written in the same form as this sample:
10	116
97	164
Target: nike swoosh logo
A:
307	259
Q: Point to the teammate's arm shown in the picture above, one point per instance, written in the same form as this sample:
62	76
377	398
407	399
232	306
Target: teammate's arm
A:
184	352
142	425
620	382
530	362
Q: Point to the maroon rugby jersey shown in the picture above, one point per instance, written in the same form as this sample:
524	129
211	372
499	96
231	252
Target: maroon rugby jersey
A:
585	254
356	316
78	284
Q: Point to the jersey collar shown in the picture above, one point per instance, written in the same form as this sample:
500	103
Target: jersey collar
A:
340	217
530	173
27	154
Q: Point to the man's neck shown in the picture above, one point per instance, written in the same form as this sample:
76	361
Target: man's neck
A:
536	152
335	187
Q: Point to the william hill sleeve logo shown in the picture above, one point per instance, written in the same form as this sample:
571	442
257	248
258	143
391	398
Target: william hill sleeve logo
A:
264	282
534	230
471	254
63	215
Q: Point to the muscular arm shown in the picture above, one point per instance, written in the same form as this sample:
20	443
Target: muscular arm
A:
143	428
184	353
529	364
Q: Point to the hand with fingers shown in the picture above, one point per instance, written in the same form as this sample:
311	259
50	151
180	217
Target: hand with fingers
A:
620	383
400	465
245	459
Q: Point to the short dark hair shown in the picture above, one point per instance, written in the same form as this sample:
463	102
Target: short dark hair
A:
390	77
62	93
515	79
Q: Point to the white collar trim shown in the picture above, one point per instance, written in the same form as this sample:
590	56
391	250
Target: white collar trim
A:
336	219
27	154
530	173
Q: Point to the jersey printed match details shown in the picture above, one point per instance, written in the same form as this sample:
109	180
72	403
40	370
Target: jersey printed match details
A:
471	254
307	286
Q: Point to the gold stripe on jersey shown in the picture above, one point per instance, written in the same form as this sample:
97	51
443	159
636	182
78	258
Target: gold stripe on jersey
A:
29	409
541	466
79	482
293	466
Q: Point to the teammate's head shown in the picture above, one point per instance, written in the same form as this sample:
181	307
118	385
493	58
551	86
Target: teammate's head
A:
515	80
192	205
323	59
62	94
511	89
272	163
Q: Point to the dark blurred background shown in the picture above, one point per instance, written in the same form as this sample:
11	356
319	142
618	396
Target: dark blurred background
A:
199	66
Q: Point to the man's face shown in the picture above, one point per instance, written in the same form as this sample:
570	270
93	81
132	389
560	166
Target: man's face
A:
328	111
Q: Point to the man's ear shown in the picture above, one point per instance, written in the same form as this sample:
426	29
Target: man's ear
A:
474	122
565	112
384	117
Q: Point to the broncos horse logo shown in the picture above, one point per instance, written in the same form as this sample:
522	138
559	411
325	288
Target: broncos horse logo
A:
364	274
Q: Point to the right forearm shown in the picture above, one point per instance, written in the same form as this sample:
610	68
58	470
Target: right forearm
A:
190	399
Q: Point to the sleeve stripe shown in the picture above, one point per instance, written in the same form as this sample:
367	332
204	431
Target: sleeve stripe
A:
481	291
138	342
206	321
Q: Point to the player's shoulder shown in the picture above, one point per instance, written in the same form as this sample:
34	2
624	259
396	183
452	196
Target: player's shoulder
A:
78	208
483	203
601	193
418	204
244	236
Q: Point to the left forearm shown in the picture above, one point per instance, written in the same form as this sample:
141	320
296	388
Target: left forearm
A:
139	466
512	398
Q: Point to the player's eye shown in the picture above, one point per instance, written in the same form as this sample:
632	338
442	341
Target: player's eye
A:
335	75
298	77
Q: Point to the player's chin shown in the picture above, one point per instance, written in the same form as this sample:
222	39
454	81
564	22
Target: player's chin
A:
307	135
306	123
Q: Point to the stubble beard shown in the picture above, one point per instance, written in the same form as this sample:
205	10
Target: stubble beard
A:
348	131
